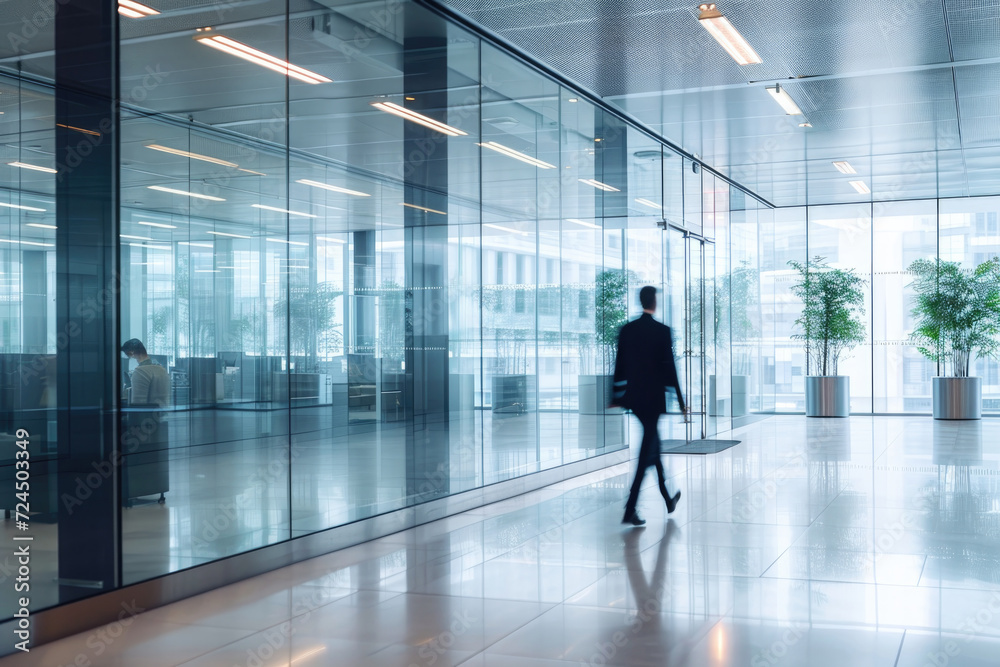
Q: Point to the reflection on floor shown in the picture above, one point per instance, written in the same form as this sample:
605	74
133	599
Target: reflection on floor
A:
867	541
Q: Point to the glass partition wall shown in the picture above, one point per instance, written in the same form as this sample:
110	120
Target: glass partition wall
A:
358	259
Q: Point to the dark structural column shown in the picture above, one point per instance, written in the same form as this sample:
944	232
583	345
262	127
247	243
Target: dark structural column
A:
425	175
87	296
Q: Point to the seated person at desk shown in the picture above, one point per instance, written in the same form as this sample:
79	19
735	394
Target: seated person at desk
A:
150	381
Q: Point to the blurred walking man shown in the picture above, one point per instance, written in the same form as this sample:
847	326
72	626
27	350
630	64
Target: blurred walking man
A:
644	370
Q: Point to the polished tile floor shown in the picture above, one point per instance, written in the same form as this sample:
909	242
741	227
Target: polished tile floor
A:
862	542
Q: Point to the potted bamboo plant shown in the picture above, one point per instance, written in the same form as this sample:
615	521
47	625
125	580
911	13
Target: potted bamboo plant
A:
512	388
736	297
610	314
833	303
957	315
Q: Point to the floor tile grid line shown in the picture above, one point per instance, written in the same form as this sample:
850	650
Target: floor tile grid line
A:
293	617
250	633
220	647
275	627
741	433
798	537
291	620
560	526
923	566
814	624
612	529
874	510
839	624
500	639
483	563
834	499
878	589
563	524
885	450
899	652
563	487
711	509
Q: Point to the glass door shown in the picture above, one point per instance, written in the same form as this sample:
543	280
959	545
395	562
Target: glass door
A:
690	308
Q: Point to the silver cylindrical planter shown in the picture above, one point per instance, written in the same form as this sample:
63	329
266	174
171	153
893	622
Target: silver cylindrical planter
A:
958	398
828	396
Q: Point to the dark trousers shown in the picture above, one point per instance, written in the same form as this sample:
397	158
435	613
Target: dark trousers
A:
649	455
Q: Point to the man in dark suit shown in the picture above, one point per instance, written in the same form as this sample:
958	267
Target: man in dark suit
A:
644	369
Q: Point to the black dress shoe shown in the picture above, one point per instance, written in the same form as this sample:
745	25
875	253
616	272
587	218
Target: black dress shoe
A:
633	518
672	502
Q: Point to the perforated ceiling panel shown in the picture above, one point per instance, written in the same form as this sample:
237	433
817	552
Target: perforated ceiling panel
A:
885	85
629	46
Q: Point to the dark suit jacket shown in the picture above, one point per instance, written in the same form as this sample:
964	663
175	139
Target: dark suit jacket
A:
644	368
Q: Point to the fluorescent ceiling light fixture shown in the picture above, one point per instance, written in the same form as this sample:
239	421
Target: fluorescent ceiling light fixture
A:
79	129
583	223
158	224
241	50
517	155
34	167
35	243
151	247
784	99
40	225
196	245
403	112
203	158
207	271
597	184
137	238
23	208
284	210
193	156
330	239
233	236
276	240
860	186
422	208
175	191
510	230
135	10
332	188
650	204
845	167
728	37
